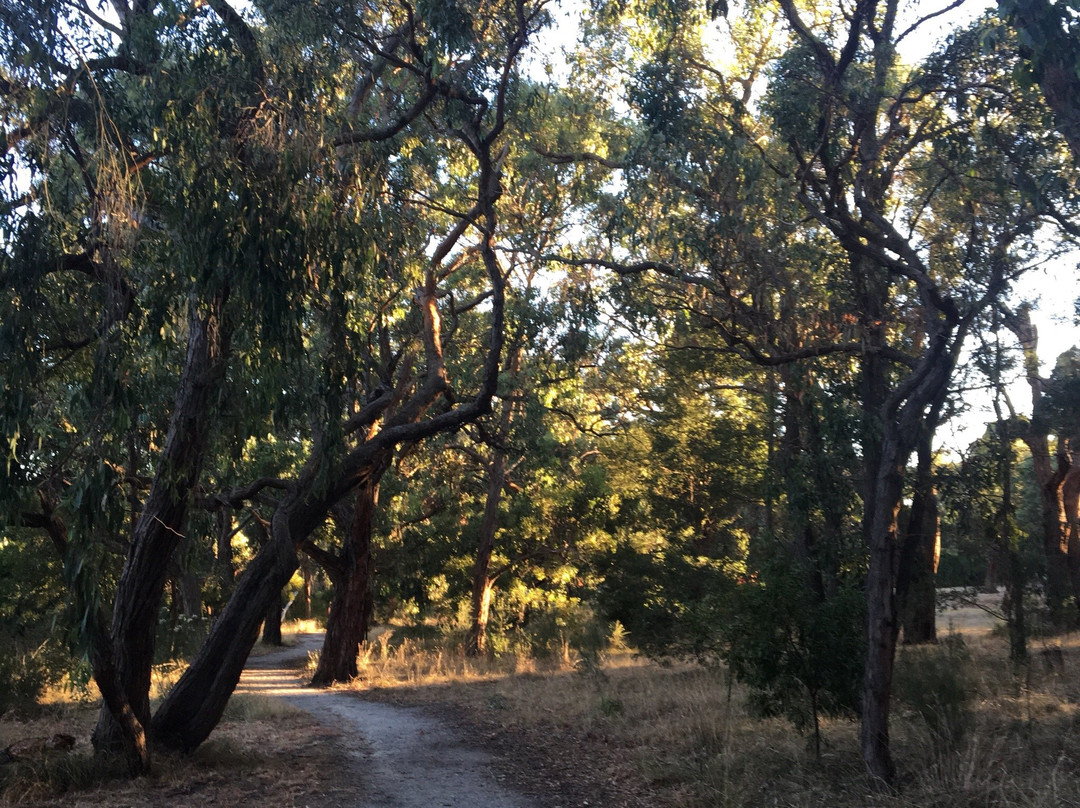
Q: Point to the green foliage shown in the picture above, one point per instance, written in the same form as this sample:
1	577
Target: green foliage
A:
669	604
25	674
179	636
936	684
32	624
800	653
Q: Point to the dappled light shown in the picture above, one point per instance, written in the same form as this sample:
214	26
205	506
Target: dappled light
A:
521	403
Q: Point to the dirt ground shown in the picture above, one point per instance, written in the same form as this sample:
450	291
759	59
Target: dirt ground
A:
282	745
399	756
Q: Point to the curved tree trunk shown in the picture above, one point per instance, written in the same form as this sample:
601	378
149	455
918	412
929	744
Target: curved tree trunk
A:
195	705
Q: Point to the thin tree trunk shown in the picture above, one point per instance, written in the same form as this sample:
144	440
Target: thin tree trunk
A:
1070	512
1013	603
223	558
305	570
271	634
480	607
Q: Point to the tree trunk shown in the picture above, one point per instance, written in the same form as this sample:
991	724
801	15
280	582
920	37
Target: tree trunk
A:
1054	528
1005	534
882	622
305	570
223	559
1070	505
162	524
480	607
271	634
908	415
194	706
350	611
1050	479
920	554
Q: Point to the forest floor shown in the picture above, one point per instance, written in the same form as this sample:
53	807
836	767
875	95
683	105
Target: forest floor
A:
284	745
425	726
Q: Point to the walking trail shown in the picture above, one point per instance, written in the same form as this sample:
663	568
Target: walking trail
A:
403	757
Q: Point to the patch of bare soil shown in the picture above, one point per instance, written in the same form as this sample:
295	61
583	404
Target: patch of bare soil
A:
402	756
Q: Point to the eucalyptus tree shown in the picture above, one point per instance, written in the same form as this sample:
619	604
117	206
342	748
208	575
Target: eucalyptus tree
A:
1047	40
205	212
1051	435
862	215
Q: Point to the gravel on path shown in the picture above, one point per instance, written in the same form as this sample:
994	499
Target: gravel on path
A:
404	757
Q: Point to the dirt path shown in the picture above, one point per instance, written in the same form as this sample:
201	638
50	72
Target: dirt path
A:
403	757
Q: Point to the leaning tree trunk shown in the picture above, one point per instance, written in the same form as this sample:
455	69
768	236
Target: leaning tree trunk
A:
480	607
161	526
195	705
353	579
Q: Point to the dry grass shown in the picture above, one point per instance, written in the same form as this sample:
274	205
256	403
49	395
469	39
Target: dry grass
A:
263	752
260	754
625	733
636	733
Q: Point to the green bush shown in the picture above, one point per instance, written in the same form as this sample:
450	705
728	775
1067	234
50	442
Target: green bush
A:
801	654
935	683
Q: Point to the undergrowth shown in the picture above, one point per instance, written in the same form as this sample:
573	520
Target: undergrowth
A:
968	729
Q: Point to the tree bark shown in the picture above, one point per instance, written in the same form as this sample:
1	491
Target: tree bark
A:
480	606
194	706
1070	512
162	523
271	634
305	570
909	414
919	556
1050	478
353	579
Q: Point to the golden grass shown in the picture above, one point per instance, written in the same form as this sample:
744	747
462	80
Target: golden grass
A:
683	735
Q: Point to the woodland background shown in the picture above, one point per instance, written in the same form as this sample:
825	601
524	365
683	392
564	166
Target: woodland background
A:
390	312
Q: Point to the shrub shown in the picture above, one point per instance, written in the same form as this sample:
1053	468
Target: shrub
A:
935	683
